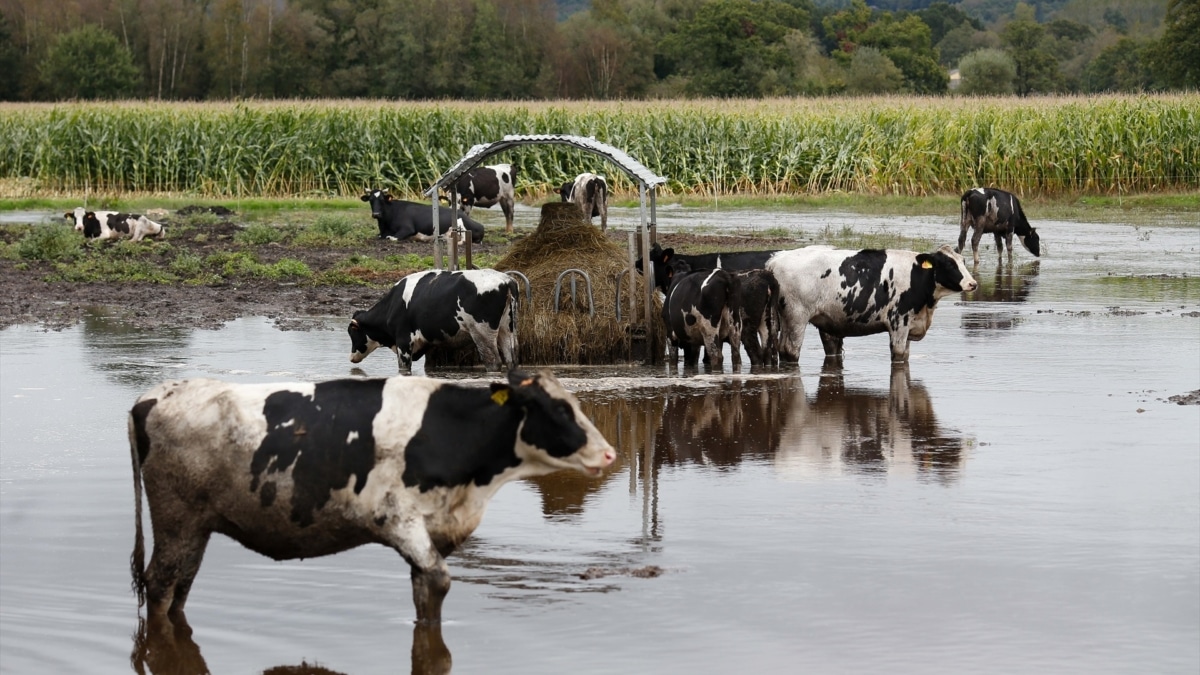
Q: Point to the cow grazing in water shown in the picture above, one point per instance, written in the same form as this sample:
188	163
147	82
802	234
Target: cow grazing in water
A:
702	310
487	186
998	212
759	304
735	261
590	193
400	220
440	307
849	293
302	470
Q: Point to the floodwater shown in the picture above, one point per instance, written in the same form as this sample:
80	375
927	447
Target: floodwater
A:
1021	498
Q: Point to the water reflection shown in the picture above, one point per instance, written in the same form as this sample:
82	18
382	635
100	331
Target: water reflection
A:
129	355
891	432
1009	284
166	647
838	429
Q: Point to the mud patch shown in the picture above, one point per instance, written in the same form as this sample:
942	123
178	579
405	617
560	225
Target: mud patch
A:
1190	398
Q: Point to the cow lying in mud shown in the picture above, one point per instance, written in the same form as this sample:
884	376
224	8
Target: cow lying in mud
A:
302	470
849	293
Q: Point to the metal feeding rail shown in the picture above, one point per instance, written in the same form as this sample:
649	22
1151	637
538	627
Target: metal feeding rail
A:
647	182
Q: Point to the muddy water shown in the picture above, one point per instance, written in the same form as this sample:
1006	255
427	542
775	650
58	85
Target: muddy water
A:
1021	497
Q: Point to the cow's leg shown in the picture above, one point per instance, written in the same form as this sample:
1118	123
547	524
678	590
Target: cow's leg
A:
1008	237
735	340
832	344
487	344
962	235
753	348
976	236
427	568
899	345
506	205
793	322
178	551
999	237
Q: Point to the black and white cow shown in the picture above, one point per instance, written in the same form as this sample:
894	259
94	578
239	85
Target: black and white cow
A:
133	226
850	293
400	220
441	307
303	470
590	193
79	215
998	212
487	186
759	304
701	310
735	261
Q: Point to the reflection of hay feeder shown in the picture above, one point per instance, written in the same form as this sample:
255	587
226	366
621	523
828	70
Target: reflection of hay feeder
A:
557	322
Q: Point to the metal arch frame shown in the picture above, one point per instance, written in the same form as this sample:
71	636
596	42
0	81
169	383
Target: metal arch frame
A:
647	182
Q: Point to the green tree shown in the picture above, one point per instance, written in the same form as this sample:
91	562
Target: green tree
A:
1037	69
1175	59
1120	67
89	63
907	44
871	72
943	18
963	40
986	72
734	47
10	63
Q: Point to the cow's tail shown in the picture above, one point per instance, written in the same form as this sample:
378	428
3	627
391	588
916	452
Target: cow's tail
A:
137	439
511	344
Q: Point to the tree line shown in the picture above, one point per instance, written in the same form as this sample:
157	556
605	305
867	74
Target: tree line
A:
614	49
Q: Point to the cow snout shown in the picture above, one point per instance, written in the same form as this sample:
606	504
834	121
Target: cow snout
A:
356	357
970	285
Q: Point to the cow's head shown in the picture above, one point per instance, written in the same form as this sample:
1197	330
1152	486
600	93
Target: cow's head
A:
376	198
361	343
565	190
1032	242
950	273
76	217
661	258
554	433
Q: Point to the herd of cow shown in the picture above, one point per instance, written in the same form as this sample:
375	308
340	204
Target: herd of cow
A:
300	470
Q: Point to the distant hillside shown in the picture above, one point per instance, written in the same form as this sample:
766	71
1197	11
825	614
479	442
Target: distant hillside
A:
984	10
568	7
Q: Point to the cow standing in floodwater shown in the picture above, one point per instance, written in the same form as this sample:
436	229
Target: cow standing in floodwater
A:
849	293
998	212
301	470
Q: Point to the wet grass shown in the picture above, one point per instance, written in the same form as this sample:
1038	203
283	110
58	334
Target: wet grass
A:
1150	288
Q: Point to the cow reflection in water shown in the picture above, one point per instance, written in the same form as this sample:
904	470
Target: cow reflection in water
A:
166	648
868	431
721	428
1009	284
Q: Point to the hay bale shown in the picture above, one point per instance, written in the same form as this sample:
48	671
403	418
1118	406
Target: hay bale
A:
564	240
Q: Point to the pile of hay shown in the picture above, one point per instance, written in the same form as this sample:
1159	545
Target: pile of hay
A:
564	240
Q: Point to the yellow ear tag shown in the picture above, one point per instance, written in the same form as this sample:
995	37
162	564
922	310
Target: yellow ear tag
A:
526	382
500	396
926	265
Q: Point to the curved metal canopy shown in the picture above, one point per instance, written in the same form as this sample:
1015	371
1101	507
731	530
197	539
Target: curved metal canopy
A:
633	168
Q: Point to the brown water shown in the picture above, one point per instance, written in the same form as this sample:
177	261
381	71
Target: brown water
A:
1021	497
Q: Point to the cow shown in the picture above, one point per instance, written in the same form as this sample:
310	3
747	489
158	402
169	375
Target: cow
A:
78	215
701	310
850	293
487	186
758	302
400	220
133	226
301	470
590	193
736	260
998	212
441	307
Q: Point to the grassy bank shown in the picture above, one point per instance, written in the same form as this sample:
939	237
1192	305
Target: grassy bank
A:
1112	145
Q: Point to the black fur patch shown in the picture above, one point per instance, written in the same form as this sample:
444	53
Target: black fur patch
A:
465	437
861	274
315	435
141	410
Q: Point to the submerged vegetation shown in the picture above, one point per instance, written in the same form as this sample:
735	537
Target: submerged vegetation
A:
1112	145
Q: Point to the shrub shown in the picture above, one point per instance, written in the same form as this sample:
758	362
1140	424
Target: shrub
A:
987	72
258	234
50	242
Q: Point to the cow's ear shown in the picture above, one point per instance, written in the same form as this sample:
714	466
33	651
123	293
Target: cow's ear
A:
501	393
925	261
387	197
366	197
667	254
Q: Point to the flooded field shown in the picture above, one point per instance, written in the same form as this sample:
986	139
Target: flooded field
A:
1023	496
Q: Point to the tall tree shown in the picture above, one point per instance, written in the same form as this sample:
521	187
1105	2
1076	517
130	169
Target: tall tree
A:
90	63
1037	69
1176	57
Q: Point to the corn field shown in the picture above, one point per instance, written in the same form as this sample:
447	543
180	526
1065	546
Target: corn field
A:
890	145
